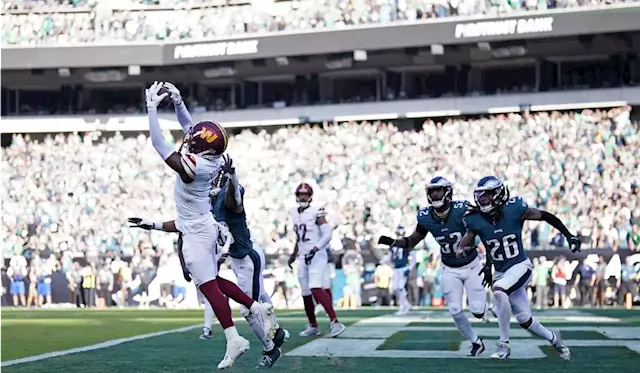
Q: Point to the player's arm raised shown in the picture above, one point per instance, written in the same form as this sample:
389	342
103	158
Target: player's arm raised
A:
167	226
233	196
535	214
183	115
184	165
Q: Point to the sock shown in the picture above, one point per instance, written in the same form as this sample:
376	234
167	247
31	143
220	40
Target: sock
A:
540	330
231	333
258	330
464	326
323	298
234	292
330	294
503	309
218	303
208	315
309	310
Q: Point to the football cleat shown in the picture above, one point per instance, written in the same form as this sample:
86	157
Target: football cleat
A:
336	329
269	358
559	345
403	310
281	336
206	333
310	331
476	348
267	320
235	349
503	351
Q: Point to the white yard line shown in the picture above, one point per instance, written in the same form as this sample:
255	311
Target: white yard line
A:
98	346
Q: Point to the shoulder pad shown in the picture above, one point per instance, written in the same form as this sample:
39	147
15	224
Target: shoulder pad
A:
188	162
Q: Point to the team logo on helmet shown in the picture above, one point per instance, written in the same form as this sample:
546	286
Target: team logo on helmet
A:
304	188
490	193
439	192
206	138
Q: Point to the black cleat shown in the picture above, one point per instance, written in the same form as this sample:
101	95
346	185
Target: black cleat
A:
269	358
281	336
476	348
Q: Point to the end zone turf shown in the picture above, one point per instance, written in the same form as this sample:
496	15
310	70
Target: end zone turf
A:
376	341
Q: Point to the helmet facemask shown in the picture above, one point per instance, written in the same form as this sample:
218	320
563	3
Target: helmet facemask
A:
305	201
439	198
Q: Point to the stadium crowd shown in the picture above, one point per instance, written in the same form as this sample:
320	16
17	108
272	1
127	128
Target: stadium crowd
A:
66	197
32	22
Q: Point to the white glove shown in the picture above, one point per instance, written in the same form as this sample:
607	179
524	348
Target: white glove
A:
153	99
144	224
462	251
175	93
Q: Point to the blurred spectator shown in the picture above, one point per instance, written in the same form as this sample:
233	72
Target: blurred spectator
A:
559	276
541	275
74	276
32	293
44	282
279	274
600	285
429	279
586	282
89	285
382	278
63	22
627	286
17	287
104	285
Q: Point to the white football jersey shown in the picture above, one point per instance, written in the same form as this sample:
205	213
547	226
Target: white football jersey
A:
192	200
306	228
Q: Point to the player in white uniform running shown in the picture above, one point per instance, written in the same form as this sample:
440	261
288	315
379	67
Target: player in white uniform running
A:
196	165
313	235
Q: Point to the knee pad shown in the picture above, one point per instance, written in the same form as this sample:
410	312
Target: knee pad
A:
524	319
500	296
477	309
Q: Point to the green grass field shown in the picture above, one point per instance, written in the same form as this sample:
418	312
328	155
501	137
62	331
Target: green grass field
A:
376	341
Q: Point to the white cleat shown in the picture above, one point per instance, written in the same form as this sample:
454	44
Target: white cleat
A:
502	353
235	349
336	329
206	333
403	310
310	331
559	345
266	318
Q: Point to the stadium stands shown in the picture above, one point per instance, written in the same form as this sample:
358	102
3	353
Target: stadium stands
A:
84	21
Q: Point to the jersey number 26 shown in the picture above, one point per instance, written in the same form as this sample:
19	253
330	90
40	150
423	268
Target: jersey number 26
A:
509	245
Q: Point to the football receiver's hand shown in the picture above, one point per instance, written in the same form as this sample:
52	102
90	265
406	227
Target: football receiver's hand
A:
153	99
574	244
385	240
292	259
487	276
141	223
175	93
227	165
309	257
461	251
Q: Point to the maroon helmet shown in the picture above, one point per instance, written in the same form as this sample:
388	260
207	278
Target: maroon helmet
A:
304	188
206	138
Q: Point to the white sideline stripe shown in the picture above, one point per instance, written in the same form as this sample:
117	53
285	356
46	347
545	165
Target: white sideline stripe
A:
98	346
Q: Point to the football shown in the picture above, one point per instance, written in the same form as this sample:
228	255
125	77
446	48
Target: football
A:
167	100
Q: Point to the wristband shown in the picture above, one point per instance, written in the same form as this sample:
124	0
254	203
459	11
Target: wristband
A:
158	226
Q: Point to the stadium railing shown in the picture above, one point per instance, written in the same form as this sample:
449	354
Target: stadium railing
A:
386	110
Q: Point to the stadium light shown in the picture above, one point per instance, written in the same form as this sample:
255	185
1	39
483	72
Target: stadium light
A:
360	55
134	70
64	72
